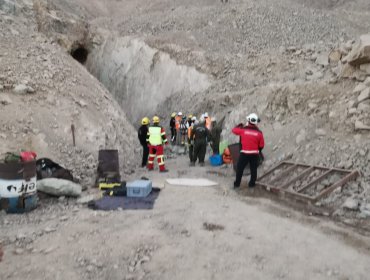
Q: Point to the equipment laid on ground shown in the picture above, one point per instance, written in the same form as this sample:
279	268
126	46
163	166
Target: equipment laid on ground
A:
235	153
223	145
114	189
46	168
108	168
18	193
215	160
139	188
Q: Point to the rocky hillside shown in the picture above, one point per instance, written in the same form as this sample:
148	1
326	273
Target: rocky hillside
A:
43	91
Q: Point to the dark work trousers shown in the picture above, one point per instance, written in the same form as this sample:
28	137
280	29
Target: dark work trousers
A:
200	148
145	155
244	159
215	147
191	152
173	134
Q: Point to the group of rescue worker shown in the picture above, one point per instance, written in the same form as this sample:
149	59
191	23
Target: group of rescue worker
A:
188	131
195	134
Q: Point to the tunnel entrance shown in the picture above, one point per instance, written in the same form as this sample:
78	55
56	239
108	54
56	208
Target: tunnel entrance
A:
80	54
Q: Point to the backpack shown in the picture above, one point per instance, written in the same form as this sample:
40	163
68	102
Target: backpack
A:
46	168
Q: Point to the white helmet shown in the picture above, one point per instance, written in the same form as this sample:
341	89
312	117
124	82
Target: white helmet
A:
194	118
179	114
206	115
253	118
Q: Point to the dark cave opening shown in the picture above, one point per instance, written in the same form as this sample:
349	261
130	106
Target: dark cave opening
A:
80	54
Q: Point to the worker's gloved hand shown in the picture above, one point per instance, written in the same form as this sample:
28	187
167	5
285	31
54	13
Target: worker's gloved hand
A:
192	142
262	157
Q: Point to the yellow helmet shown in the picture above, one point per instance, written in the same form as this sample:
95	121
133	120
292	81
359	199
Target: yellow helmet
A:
173	115
145	121
190	116
155	119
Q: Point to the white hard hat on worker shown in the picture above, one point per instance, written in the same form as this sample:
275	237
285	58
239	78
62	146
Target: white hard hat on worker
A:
253	119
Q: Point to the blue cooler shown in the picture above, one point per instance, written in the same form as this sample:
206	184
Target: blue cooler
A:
215	160
139	188
18	192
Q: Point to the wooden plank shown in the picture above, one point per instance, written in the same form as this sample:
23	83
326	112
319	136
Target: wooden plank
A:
300	196
284	173
299	176
318	179
300	164
340	183
268	187
272	170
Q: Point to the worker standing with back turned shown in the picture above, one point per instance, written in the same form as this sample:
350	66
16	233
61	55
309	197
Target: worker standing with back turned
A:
201	135
173	127
142	134
252	144
156	139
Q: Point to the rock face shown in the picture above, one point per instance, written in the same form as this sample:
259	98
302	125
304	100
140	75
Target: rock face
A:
351	204
361	126
360	54
365	67
365	94
59	187
323	59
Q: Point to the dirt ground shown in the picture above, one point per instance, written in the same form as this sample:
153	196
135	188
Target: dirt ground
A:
266	56
192	233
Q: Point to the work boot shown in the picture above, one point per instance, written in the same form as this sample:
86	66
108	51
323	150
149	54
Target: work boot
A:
236	186
163	171
251	185
201	164
192	163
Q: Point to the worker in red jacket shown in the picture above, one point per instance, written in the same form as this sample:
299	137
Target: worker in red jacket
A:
252	144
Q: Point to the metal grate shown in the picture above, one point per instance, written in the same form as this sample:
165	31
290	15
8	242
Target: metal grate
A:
309	183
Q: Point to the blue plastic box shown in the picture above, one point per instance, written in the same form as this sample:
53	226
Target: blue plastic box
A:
139	188
215	160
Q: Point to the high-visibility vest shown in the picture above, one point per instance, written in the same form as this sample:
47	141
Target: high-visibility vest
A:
155	137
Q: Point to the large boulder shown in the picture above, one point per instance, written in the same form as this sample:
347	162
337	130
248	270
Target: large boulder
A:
360	53
59	187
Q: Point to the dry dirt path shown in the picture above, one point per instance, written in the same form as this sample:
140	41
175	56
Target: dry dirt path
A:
170	241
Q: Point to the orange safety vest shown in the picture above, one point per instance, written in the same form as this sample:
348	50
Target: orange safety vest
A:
208	123
190	129
177	123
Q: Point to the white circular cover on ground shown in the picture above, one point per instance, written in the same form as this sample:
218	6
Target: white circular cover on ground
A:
191	182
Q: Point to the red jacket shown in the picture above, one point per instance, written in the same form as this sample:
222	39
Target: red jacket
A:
251	138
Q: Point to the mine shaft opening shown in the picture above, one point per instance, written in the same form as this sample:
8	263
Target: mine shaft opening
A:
80	54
